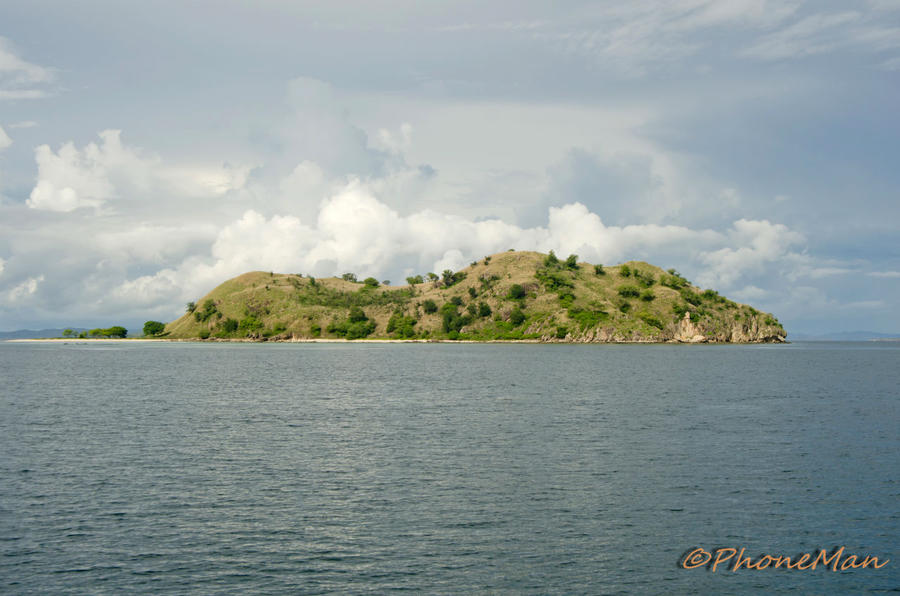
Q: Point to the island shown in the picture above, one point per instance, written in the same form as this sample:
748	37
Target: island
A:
510	296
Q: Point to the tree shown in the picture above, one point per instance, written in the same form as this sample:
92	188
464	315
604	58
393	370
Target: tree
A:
572	262
447	275
598	270
190	307
433	277
115	331
68	333
370	282
516	292
349	277
625	271
385	282
154	328
551	260
414	279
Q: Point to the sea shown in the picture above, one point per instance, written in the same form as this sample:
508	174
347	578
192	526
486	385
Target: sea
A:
363	468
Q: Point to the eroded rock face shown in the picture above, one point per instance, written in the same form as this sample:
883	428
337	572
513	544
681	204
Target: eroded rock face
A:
684	331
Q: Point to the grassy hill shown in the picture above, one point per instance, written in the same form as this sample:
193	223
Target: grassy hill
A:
507	296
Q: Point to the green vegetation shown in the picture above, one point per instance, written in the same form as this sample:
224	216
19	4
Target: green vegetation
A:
511	295
150	328
115	331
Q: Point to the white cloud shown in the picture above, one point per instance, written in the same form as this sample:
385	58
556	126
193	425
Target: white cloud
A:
18	76
24	124
25	289
754	245
5	141
72	178
2	265
354	231
885	274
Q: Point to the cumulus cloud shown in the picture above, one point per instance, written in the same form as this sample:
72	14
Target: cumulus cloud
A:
885	274
754	245
25	289
355	231
71	178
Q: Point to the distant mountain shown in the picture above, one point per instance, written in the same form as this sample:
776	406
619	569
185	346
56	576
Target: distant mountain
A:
39	334
845	336
507	296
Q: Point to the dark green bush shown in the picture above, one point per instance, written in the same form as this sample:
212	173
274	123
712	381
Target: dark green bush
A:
457	300
472	292
629	291
625	271
516	292
370	282
598	270
648	296
429	306
150	328
572	262
650	320
484	310
516	316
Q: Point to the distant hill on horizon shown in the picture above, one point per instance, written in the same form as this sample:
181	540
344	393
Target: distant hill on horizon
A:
38	334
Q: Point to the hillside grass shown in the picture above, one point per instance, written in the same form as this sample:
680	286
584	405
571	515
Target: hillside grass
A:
528	295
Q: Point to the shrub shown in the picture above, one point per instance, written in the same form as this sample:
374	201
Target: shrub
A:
553	279
229	325
150	328
624	306
449	278
487	260
648	296
516	316
349	277
370	282
650	320
625	271
357	315
690	296
472	309
516	292
629	291
457	300
551	260
429	306
566	298
572	262
472	292
315	330
484	310
561	331
190	307
203	334
598	270
587	319
209	309
679	309
250	324
401	325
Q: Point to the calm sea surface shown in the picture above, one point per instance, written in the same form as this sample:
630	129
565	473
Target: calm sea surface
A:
442	468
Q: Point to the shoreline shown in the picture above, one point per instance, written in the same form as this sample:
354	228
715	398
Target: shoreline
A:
87	340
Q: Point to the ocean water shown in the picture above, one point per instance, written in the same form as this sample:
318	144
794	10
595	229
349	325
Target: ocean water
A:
442	468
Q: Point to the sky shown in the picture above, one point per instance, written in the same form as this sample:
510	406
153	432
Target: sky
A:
149	152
